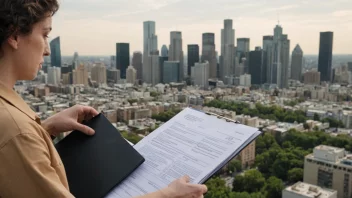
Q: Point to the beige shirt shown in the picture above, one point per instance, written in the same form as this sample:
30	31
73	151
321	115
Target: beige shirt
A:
29	163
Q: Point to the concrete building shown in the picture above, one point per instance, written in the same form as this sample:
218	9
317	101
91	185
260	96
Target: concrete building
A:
329	167
304	190
98	73
150	45
112	62
325	55
54	75
297	63
209	54
228	52
164	51
245	80
155	72
131	75
137	64
268	46
170	72
176	52
113	75
247	155
80	75
311	78
201	74
41	91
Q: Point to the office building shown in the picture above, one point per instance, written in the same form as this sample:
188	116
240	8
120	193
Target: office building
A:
268	47
247	155
164	51
192	56
122	58
113	75
209	54
201	74
98	73
80	75
349	66
75	61
153	62
150	46
228	52
137	64
54	75
55	52
297	63
161	66
305	190
246	80
131	75
257	66
329	167
67	79
311	78
243	46
325	56
176	52
170	72
113	61
65	69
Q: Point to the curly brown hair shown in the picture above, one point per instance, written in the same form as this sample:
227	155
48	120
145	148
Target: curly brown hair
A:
19	16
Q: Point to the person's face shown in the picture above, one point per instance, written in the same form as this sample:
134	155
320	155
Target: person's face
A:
29	50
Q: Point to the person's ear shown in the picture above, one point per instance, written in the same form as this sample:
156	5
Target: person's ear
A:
13	41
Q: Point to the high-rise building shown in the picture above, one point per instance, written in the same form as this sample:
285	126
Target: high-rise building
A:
170	71
243	46
137	64
192	56
246	80
329	167
304	190
54	75
153	61
228	52
150	45
268	47
325	55
55	49
175	50
209	54
113	61
131	75
162	60
297	63
201	74
311	78
80	75
75	61
164	51
349	66
113	75
122	58
257	66
98	73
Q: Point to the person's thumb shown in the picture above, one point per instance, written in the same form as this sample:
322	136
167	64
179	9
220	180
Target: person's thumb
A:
185	179
83	128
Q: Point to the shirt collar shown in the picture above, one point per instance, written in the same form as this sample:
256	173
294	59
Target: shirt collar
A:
15	100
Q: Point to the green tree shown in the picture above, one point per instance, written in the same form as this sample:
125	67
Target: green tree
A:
264	142
273	187
251	181
316	117
295	175
306	126
217	188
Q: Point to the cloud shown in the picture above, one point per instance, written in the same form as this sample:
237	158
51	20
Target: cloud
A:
342	13
281	8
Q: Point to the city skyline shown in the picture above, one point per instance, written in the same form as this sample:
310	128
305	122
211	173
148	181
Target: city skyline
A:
123	22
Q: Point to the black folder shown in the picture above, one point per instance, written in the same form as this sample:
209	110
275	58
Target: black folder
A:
96	164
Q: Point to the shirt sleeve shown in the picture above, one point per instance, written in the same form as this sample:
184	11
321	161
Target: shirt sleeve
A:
26	169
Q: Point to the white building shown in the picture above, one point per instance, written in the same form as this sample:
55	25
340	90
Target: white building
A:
131	75
150	45
227	66
98	73
175	51
201	74
245	80
54	75
304	190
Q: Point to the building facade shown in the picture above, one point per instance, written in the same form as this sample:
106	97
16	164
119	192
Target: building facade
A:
192	57
98	73
122	58
175	51
297	63
201	74
305	190
257	66
170	71
80	75
228	52
209	54
54	75
137	64
150	46
131	75
311	78
55	52
325	56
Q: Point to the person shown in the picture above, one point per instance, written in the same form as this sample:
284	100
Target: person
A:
29	163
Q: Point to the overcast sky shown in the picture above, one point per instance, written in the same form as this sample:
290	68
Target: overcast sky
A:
92	27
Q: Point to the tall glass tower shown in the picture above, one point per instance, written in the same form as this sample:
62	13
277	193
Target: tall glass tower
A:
55	55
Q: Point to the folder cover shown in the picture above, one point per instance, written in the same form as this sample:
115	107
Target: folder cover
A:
96	164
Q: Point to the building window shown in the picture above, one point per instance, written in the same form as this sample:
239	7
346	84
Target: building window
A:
346	185
325	178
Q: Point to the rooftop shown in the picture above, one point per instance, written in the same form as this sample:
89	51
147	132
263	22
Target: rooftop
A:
308	190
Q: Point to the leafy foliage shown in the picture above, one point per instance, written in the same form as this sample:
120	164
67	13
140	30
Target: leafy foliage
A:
165	116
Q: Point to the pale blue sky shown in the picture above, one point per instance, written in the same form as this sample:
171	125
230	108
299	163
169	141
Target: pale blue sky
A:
92	27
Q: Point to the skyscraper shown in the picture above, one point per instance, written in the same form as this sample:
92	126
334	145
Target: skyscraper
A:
55	55
192	56
175	50
201	74
113	62
257	66
170	71
228	53
54	75
131	75
164	51
242	55
268	47
325	55
98	73
122	58
297	63
153	61
137	64
150	46
75	61
243	45
80	75
209	54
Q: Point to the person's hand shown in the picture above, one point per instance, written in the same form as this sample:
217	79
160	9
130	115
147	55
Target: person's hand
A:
70	119
181	188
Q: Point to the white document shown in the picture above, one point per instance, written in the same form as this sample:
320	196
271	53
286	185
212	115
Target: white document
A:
192	143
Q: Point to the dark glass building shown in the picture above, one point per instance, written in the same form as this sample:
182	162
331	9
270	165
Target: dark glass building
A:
55	50
122	58
325	56
257	66
192	56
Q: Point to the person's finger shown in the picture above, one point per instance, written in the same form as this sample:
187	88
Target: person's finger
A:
204	188
83	128
89	111
185	179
